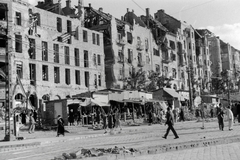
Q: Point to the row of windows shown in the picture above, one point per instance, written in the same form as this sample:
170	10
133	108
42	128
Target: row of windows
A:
45	75
45	50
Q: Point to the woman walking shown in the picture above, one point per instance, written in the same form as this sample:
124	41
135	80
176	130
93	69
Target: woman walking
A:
31	124
230	118
60	126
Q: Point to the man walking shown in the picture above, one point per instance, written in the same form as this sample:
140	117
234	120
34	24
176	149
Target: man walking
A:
220	117
229	118
170	123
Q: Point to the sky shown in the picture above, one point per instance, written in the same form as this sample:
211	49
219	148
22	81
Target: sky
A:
222	17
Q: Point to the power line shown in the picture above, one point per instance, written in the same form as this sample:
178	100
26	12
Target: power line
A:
138	5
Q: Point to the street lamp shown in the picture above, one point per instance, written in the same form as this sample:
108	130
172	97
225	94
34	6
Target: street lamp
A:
190	88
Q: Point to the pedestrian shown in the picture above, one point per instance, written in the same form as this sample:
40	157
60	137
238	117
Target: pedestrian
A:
60	126
181	115
217	113
110	121
71	117
23	117
238	111
211	112
175	115
98	115
79	116
31	124
104	117
35	115
118	120
234	111
220	117
170	123
230	118
150	117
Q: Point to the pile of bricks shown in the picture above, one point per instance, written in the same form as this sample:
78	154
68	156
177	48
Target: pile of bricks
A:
95	152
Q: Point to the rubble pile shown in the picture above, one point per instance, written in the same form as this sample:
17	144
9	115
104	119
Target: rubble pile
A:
94	152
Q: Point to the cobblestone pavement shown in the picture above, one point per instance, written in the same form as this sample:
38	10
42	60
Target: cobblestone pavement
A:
140	137
217	152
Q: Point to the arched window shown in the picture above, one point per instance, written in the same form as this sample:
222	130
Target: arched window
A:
19	97
46	97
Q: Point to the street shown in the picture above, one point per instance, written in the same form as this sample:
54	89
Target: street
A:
143	138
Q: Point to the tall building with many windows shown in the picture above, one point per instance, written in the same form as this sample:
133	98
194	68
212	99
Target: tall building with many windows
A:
51	55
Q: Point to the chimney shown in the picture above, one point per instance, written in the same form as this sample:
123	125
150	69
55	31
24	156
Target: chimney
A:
132	11
100	9
89	4
68	3
147	16
122	18
162	10
127	10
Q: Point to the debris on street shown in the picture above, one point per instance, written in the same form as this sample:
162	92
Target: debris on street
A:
94	152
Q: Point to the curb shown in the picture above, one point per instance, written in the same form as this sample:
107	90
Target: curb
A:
12	146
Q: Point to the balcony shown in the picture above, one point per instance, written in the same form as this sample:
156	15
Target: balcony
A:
120	41
167	60
140	47
141	64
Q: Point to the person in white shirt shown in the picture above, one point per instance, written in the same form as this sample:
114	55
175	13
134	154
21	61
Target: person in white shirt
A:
229	118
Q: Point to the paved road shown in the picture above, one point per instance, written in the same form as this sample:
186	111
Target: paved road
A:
218	152
142	137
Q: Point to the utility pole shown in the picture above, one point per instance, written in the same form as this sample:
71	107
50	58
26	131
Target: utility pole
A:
190	88
8	95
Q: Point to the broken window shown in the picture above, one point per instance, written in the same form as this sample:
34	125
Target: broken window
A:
18	43
18	19
56	75
77	77
44	51
19	69
86	58
99	80
2	14
86	78
174	73
77	59
95	80
130	56
99	60
66	53
32	73
93	38
129	37
56	53
98	39
32	48
45	73
69	26
67	76
59	24
85	36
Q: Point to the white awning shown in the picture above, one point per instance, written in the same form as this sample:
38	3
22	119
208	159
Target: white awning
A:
171	92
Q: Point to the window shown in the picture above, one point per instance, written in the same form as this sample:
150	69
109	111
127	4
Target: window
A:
77	77
139	57
56	75
32	73
193	46
146	44
189	46
32	48
174	73
129	37
99	60
69	26
147	59
156	52
59	24
182	74
86	64
120	55
67	76
98	39
77	59
130	56
208	63
95	80
172	45
18	43
99	80
66	53
94	59
157	68
86	79
56	53
44	51
184	44
45	73
139	42
19	69
85	36
93	38
38	19
18	18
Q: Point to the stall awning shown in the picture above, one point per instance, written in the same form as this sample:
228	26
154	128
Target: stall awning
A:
93	102
171	92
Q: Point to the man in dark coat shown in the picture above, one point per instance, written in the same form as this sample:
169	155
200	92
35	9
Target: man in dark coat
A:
60	126
170	123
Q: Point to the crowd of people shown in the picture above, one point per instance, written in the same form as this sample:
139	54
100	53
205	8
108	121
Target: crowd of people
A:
31	117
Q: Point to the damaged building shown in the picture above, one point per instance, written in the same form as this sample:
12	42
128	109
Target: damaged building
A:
51	55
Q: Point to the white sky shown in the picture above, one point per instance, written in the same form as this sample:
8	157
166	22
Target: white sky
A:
222	17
